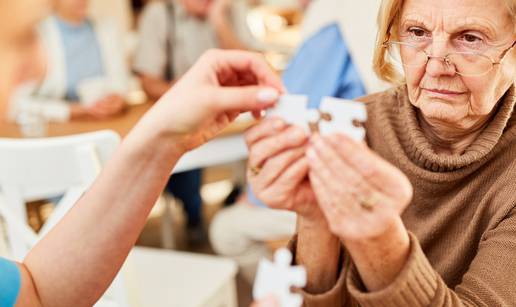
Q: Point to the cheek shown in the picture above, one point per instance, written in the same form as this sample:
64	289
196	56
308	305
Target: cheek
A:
413	76
479	92
486	91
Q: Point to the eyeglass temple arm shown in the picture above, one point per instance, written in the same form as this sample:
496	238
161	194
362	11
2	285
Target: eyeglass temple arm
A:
506	52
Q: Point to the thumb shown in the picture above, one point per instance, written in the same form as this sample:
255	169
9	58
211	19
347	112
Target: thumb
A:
246	98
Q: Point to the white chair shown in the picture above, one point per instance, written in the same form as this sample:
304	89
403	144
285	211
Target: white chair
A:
36	169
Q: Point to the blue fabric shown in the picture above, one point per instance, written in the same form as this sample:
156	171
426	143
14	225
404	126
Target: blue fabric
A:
83	59
187	187
10	282
322	67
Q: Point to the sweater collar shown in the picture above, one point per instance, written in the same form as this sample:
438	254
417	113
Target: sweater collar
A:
420	151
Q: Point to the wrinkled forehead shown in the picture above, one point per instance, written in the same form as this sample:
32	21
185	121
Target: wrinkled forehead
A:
448	14
18	16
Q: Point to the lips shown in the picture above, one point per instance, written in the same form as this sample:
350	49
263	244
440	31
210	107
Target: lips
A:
444	92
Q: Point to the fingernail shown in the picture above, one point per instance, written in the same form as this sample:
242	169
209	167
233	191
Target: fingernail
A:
267	95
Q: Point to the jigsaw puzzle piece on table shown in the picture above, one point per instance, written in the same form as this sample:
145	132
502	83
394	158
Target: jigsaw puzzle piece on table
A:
347	116
278	277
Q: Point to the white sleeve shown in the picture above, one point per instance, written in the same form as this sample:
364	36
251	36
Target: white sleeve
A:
151	53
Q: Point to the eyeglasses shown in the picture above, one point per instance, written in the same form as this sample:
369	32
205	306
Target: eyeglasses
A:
470	64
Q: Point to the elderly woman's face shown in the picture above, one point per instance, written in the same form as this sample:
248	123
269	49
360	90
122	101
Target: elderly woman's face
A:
77	8
20	53
442	27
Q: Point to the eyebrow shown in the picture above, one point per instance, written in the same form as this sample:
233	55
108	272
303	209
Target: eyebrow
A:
475	24
471	23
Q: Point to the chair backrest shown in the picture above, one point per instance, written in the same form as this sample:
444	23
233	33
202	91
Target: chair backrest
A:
36	169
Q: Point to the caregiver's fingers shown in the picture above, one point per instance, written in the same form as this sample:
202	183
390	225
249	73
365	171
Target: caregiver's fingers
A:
245	62
243	98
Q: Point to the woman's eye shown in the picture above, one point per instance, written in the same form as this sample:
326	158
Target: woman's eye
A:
417	32
470	38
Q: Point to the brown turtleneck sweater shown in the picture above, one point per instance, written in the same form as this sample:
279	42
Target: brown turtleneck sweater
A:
462	220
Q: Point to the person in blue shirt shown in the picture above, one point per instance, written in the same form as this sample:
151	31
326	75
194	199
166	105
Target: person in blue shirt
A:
76	262
87	76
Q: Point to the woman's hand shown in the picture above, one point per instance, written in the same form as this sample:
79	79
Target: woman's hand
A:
106	107
362	197
109	106
360	194
278	169
220	86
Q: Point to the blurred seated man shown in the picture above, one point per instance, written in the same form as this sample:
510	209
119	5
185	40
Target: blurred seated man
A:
86	76
173	35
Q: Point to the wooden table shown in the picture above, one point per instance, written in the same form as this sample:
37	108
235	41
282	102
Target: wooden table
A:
121	124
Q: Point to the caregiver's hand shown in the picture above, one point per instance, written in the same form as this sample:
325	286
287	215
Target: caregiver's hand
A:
362	197
220	86
278	169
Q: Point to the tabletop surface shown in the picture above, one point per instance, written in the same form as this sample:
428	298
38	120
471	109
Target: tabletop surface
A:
121	124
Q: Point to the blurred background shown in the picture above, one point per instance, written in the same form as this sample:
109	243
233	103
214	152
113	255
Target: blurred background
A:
110	60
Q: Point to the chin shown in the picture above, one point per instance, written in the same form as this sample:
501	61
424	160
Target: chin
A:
442	111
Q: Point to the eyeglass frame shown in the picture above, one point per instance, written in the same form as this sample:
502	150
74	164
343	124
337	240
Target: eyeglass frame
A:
386	44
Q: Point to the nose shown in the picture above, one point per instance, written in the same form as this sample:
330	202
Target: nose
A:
438	64
439	67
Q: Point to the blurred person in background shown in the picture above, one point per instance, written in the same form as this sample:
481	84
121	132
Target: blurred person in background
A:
174	33
172	36
76	261
86	75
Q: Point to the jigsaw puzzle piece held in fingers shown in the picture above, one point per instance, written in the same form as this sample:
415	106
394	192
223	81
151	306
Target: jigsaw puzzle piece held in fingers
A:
344	116
293	110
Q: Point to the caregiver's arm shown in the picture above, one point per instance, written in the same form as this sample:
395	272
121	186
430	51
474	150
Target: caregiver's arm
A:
75	263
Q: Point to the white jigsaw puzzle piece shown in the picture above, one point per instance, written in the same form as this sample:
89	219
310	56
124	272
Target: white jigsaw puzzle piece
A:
276	278
293	110
344	113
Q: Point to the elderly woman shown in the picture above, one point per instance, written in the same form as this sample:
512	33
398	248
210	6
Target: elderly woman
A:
425	214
